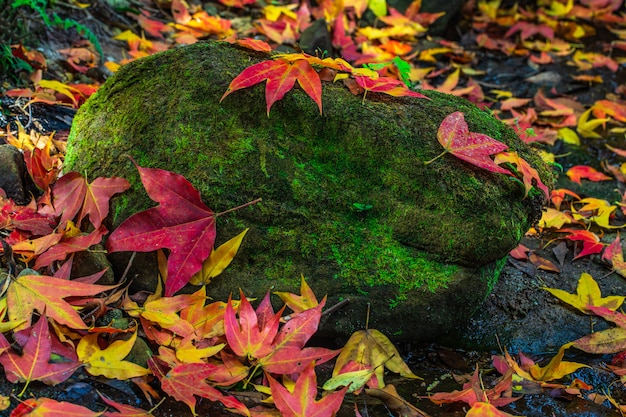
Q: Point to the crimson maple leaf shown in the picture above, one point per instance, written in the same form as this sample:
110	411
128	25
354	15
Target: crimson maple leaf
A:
185	381
475	148
288	354
281	76
301	402
181	223
34	362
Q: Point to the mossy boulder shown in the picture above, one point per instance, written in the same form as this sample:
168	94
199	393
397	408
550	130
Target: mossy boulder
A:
347	200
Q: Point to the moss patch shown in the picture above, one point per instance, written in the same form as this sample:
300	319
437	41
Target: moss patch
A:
429	228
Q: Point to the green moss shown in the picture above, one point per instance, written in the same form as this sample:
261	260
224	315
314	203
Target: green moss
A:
429	227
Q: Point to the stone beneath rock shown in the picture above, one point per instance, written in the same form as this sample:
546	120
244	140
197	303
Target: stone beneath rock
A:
347	199
13	174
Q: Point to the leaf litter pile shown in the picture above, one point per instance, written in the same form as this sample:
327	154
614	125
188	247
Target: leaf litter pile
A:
257	361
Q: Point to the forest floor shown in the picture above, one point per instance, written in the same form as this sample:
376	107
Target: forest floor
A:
556	86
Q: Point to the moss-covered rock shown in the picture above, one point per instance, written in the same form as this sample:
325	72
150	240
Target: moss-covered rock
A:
347	200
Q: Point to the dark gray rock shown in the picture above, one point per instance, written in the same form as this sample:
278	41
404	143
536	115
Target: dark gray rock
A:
13	174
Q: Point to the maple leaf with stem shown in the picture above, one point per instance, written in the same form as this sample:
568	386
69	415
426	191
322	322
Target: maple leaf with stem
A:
301	401
587	294
371	349
185	381
181	222
34	364
45	294
475	148
281	75
73	193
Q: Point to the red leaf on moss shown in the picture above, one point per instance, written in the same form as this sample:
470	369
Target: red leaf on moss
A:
475	148
281	75
388	86
182	223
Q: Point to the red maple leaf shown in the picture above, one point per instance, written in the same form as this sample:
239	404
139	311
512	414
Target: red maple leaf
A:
34	362
185	381
591	241
475	148
281	76
578	172
288	354
387	85
301	402
181	223
251	336
72	193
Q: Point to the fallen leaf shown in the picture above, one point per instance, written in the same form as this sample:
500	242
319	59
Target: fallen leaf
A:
46	407
218	260
587	294
301	402
181	223
185	381
529	174
475	148
109	362
35	362
578	172
281	76
29	293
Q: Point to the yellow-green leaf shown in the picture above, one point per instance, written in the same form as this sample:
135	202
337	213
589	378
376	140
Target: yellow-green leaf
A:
219	259
109	362
587	294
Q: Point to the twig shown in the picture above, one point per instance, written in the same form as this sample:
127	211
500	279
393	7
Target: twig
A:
335	307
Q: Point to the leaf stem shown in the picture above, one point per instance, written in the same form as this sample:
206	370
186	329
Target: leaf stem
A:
436	157
239	207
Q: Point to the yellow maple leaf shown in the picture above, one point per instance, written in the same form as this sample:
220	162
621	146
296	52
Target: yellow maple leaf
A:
552	218
299	303
587	294
601	211
586	128
218	260
372	348
109	362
